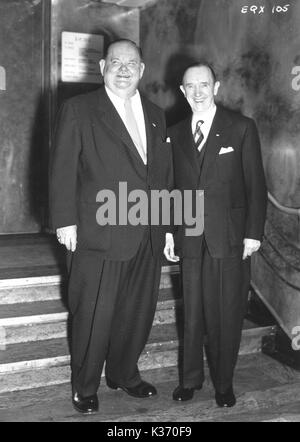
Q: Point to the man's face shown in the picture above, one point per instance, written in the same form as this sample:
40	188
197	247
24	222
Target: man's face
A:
199	88
122	70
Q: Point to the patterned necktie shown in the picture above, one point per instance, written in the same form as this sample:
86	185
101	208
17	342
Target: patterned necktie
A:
133	129
198	135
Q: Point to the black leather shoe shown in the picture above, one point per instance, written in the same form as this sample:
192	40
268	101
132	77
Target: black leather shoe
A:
142	390
226	399
88	405
185	394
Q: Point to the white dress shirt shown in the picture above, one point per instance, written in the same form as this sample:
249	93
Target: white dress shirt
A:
137	107
208	118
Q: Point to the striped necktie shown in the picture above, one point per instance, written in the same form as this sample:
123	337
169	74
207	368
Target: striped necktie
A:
198	135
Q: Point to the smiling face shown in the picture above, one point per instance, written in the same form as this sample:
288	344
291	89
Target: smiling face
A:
200	88
122	69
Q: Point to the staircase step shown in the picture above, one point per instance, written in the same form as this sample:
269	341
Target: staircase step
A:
49	320
160	334
45	325
26	309
46	288
47	362
53	348
47	307
56	370
35	308
20	290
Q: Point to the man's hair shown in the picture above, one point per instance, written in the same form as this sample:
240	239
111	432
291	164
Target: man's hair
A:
123	40
200	64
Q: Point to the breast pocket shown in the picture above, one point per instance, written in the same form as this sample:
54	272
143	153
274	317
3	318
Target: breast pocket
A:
226	164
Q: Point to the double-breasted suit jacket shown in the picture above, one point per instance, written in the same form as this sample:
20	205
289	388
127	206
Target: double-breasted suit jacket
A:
93	152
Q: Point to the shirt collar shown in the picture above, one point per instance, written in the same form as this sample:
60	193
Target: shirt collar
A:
118	100
206	116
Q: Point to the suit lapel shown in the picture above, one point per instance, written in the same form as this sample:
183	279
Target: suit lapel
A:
150	127
187	144
216	138
111	118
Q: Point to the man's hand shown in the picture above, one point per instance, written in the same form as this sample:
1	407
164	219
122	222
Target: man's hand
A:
67	236
250	246
169	248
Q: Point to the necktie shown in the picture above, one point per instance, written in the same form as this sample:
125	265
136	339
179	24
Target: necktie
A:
133	129
198	135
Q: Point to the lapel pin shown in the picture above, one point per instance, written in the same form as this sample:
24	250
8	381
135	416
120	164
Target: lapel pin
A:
217	135
153	124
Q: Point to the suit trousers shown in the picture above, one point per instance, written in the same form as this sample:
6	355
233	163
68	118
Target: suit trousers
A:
112	304
215	295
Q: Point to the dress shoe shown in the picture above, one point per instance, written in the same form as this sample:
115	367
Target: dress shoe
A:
185	394
226	399
142	390
87	405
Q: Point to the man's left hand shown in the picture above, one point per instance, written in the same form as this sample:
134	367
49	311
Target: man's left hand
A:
169	249
250	246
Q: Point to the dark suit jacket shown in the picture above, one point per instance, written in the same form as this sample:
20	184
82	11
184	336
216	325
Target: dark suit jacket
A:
234	186
93	151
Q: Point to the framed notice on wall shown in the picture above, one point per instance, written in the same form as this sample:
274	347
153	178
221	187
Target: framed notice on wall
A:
80	57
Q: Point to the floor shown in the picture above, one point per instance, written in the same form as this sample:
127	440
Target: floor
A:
267	391
30	255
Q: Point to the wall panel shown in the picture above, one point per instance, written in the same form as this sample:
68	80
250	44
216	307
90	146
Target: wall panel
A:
21	123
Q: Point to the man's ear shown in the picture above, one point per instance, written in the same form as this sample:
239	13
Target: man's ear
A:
216	88
102	66
142	70
183	90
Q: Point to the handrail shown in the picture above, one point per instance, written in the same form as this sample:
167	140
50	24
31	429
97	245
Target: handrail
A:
289	210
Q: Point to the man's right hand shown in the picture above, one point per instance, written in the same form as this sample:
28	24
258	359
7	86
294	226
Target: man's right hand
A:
169	249
67	236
